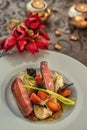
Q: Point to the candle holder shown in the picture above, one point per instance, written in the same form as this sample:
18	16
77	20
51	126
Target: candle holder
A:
78	15
40	7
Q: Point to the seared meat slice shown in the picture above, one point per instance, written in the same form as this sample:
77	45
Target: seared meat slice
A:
47	77
22	97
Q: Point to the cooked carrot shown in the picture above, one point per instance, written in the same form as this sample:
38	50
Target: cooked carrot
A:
42	95
53	106
66	92
34	98
39	75
52	99
38	78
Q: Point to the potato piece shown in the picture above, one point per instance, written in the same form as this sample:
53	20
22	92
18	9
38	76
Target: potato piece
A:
42	112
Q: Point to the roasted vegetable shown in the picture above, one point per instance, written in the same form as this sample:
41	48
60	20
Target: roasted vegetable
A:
58	96
42	112
65	92
42	95
38	79
53	106
35	99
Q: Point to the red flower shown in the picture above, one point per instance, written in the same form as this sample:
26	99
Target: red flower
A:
33	21
44	34
21	44
8	43
31	47
2	43
19	32
29	37
42	43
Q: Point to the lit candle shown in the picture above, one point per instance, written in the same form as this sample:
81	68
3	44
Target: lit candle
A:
38	4
40	7
78	15
78	18
81	7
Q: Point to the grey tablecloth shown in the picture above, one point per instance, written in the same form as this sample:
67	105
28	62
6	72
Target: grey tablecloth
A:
57	20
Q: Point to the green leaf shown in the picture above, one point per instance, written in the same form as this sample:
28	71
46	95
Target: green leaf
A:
17	25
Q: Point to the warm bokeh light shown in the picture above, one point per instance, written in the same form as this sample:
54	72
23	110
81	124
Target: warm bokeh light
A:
81	7
78	18
38	4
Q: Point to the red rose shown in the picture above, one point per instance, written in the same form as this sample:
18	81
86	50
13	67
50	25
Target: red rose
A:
33	21
19	32
31	47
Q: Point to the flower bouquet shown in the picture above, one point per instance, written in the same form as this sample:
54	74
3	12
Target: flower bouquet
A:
28	35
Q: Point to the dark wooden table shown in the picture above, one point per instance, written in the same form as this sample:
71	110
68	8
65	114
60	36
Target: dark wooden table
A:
57	20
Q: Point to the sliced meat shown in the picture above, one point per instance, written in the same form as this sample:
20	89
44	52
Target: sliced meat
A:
47	76
22	97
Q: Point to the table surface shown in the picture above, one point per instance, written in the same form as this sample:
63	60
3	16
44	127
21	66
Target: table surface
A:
58	20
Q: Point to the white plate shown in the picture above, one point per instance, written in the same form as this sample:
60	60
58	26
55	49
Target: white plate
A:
69	67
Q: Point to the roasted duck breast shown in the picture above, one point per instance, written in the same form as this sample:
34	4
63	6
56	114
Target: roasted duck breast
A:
22	97
47	76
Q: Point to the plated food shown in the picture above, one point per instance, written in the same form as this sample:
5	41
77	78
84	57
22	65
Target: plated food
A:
41	93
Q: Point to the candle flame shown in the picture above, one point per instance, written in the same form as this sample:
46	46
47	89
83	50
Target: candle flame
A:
82	7
78	18
38	3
